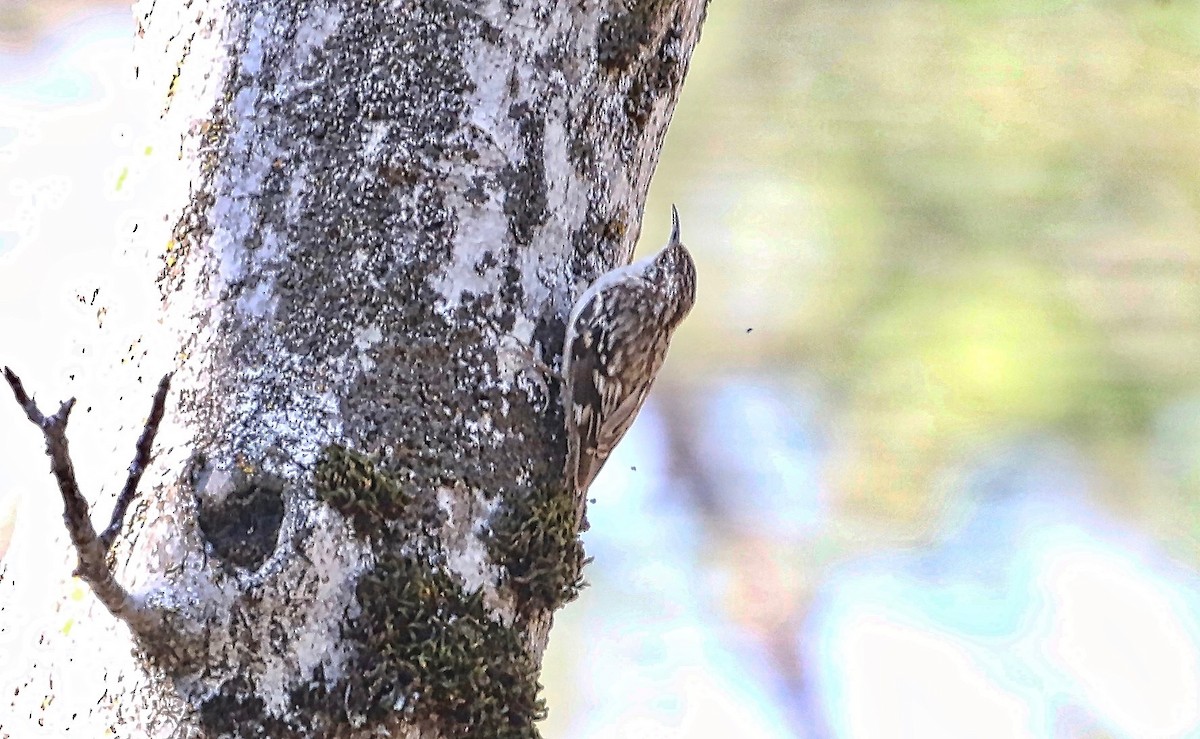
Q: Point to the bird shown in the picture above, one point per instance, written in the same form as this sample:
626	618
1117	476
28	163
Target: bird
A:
617	337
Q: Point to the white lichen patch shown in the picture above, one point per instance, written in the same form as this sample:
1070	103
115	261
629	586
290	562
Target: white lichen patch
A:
254	157
481	234
489	70
253	56
298	182
364	339
517	362
467	513
318	24
376	134
314	598
543	266
259	301
301	426
522	330
217	486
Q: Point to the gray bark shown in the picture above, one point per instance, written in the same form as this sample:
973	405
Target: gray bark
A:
365	224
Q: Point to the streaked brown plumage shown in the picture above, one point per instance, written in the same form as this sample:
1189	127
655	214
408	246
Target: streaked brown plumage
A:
617	339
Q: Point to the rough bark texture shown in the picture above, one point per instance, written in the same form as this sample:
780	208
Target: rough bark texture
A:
355	523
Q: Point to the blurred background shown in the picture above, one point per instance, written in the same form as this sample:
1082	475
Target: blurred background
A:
925	459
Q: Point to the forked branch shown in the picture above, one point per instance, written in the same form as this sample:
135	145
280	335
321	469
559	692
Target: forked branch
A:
91	548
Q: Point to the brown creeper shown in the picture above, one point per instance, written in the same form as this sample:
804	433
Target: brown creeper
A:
617	338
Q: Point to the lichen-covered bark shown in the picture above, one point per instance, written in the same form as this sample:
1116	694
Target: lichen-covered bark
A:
377	217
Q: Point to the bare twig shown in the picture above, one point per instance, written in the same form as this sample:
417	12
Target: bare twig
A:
89	547
140	461
23	399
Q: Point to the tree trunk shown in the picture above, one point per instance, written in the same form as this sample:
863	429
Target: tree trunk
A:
365	223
